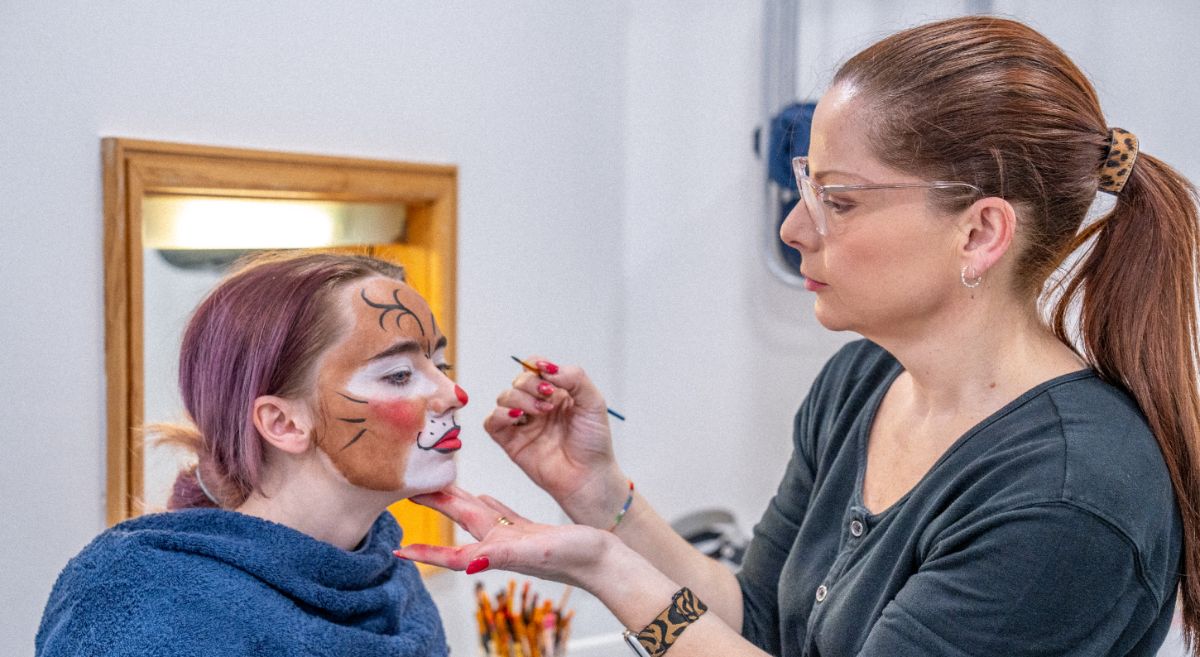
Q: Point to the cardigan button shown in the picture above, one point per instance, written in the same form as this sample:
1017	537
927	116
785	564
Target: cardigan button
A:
857	528
822	593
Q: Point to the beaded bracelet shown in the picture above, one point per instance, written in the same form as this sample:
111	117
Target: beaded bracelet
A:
624	509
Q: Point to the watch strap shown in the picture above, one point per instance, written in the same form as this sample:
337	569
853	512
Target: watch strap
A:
660	634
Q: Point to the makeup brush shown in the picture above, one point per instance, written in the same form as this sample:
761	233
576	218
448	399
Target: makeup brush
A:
538	372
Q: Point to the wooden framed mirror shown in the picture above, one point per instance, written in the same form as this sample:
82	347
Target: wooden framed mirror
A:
141	279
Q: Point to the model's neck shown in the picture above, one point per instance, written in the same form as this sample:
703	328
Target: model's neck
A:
298	493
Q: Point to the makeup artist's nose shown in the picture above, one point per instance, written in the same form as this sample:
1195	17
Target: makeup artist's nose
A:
798	229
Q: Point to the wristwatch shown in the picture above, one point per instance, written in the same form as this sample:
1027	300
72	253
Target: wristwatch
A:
660	634
631	638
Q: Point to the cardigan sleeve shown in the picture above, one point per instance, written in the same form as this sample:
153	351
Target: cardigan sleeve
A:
776	532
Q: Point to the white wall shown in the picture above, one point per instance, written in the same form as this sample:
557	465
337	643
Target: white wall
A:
612	140
527	99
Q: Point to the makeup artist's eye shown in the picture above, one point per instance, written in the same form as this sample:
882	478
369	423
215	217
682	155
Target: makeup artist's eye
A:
838	206
399	377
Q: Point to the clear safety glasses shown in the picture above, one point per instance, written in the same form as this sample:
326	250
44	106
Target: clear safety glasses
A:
818	201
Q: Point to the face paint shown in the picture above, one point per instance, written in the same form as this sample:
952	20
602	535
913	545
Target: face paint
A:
388	407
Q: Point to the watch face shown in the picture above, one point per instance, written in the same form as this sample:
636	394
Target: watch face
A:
631	638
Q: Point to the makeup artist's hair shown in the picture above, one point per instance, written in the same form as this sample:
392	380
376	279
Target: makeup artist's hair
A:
994	103
260	331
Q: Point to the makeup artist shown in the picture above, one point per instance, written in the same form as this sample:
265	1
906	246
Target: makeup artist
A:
963	480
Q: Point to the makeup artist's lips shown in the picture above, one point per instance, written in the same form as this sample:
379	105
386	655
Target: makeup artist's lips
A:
449	442
812	284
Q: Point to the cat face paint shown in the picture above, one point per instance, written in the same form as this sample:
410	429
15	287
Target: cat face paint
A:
386	403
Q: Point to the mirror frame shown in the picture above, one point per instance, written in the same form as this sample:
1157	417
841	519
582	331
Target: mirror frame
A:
134	168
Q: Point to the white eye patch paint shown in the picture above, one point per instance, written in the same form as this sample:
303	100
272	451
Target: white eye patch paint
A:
376	380
398	377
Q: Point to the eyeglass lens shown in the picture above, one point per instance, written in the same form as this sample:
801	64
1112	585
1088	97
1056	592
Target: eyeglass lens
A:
812	201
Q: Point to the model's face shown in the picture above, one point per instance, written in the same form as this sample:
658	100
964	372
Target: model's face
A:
888	259
387	406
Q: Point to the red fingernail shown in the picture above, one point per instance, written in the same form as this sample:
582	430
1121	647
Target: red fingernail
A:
547	367
461	394
477	565
397	553
515	412
545	389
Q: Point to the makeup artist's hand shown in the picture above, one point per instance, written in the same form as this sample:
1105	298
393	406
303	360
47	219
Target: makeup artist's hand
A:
554	426
571	554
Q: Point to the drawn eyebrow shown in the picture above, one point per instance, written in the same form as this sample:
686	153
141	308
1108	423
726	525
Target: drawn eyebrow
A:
441	343
400	348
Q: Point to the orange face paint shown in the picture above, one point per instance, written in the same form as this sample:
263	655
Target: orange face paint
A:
387	410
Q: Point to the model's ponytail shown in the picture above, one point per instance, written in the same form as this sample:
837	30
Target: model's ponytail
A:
193	488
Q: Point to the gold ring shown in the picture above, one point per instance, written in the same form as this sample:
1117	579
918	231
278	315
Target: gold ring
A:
503	521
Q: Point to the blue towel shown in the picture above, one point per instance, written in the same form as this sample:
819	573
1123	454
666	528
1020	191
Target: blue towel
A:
214	583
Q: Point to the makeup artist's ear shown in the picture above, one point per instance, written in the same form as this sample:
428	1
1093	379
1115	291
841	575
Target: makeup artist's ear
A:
286	424
987	232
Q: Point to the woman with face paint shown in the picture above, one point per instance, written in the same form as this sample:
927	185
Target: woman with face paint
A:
318	393
971	478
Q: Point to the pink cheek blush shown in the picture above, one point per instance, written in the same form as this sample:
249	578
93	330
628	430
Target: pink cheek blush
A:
461	394
405	415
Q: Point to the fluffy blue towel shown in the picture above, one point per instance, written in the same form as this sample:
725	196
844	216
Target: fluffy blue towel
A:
212	582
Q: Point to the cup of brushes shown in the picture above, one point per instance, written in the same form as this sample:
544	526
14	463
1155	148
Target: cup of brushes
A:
521	627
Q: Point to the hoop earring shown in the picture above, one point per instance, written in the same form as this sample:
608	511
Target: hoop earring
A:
975	280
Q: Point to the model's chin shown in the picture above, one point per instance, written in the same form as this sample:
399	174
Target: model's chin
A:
430	477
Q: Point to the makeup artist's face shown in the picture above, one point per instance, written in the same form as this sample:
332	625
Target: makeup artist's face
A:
888	261
387	406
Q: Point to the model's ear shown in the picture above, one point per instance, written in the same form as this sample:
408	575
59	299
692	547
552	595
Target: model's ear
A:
988	227
284	423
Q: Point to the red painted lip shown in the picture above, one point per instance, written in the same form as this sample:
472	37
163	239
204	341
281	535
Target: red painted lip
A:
449	442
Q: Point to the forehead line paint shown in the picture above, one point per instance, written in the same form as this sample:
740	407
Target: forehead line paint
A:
401	310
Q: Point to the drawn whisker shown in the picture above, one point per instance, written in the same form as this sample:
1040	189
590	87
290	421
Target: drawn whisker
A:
355	438
356	401
353	420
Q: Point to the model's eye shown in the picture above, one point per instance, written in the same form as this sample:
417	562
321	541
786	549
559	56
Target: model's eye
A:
399	377
446	368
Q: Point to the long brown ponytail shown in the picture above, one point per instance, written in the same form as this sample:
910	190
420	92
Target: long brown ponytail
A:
992	102
1136	294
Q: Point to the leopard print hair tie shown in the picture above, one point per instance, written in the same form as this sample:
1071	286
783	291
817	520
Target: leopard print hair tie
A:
1118	162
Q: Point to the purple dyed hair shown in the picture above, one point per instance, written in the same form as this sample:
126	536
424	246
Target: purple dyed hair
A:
260	332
